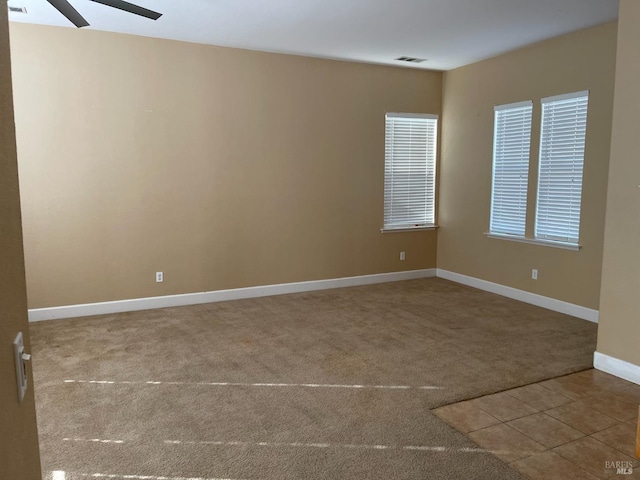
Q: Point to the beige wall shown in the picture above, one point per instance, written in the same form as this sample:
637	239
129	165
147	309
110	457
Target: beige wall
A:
619	329
223	168
19	456
574	62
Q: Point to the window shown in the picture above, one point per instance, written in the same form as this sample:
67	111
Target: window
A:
410	171
511	149
562	144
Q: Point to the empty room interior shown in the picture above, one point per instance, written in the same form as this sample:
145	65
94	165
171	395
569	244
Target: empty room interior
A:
319	240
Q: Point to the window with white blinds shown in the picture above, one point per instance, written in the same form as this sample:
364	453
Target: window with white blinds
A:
511	150
410	171
562	145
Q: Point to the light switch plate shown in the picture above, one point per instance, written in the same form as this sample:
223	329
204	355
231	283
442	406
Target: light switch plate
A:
21	368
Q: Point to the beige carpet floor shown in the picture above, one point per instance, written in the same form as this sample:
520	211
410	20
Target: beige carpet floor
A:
335	384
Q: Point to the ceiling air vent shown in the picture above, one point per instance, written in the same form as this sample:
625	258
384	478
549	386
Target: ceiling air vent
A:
17	9
411	59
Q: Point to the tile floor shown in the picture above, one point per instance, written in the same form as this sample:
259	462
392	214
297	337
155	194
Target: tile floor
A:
572	427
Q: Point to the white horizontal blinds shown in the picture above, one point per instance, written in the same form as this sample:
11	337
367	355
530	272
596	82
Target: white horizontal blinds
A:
511	150
410	170
562	142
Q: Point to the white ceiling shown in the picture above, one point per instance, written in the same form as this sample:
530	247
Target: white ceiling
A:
449	33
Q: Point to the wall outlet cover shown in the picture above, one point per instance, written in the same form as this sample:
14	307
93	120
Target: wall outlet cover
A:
20	358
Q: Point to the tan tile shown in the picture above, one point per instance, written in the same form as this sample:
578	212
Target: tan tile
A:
633	391
546	430
465	417
506	443
550	466
627	394
593	456
621	437
503	406
539	397
581	417
603	380
612	405
573	386
606	384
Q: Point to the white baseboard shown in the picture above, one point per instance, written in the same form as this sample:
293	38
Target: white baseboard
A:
39	314
136	304
527	297
615	366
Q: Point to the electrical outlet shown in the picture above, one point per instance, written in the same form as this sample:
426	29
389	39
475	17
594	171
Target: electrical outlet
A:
159	277
534	274
402	256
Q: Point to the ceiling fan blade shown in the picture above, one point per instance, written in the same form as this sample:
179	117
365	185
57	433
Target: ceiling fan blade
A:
65	8
131	8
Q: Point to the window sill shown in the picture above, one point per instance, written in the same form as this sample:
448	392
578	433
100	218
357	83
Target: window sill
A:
532	241
408	229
